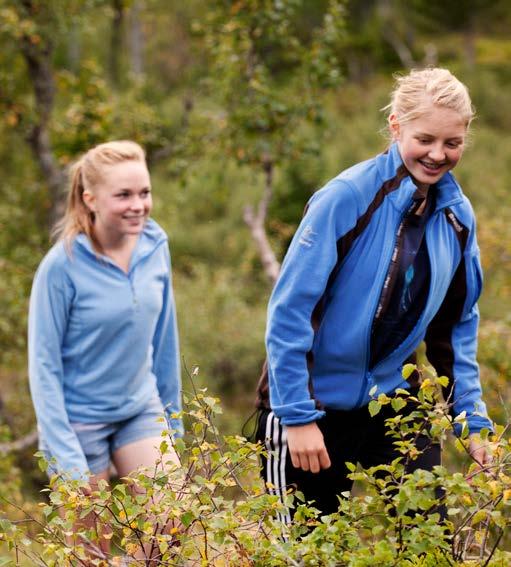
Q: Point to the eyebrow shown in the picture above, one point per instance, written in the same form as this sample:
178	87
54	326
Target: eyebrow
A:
147	187
426	135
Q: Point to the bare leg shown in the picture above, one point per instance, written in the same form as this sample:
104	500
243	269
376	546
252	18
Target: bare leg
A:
144	453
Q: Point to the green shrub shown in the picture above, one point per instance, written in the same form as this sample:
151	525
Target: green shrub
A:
221	515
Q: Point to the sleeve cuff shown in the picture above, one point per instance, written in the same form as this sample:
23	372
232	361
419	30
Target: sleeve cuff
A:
475	424
299	413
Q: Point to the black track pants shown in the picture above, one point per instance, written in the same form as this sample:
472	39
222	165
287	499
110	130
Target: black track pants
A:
350	436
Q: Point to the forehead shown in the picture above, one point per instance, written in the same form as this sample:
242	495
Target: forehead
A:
439	121
125	175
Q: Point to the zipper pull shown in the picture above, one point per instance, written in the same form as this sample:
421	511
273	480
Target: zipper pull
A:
370	380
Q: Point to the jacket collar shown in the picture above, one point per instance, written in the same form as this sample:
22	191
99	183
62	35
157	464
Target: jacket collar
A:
448	190
151	237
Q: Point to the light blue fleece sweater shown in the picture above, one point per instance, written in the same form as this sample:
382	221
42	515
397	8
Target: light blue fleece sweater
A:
101	342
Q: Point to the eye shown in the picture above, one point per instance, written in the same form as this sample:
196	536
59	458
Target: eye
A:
424	141
123	194
453	145
146	192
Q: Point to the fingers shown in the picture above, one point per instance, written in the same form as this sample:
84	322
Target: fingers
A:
324	459
312	464
295	459
312	461
307	448
305	461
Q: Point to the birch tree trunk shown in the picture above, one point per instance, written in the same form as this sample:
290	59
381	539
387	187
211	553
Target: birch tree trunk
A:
116	42
136	38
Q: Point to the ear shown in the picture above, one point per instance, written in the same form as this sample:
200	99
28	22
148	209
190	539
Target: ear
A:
394	126
90	200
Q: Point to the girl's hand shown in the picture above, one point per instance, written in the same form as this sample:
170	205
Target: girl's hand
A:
307	447
479	451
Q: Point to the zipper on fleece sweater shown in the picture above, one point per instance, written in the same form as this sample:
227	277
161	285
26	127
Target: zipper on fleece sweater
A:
390	271
127	277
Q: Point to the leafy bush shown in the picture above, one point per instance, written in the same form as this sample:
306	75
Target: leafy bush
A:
217	512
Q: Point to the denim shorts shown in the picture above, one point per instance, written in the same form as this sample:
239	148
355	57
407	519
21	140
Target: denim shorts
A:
100	440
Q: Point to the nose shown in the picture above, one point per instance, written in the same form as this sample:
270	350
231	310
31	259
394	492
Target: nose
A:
137	204
437	152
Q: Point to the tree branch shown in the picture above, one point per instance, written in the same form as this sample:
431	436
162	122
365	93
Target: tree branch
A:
136	38
256	224
116	41
399	46
19	444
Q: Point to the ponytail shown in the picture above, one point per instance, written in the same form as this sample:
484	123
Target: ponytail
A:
77	217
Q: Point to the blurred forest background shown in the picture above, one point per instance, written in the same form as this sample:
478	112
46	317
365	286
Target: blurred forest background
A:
245	108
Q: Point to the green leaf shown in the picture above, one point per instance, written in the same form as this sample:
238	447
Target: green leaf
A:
443	381
408	369
187	518
397	404
374	407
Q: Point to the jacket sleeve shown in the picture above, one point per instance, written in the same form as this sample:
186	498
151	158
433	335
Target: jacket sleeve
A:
311	258
451	340
166	365
50	304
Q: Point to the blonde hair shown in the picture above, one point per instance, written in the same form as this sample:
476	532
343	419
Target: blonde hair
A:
86	174
415	92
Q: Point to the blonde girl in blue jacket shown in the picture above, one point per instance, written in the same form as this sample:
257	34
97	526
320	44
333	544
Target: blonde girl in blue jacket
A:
385	257
103	341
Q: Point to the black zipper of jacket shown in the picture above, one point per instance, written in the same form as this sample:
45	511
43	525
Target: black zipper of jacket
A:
378	311
393	269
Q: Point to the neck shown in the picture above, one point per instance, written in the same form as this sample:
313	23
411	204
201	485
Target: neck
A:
423	188
111	242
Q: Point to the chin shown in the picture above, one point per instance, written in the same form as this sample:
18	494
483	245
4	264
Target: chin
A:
429	179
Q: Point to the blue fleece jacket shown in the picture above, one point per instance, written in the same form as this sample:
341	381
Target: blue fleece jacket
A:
321	312
101	342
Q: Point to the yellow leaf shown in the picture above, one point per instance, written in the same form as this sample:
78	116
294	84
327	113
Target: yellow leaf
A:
408	369
479	516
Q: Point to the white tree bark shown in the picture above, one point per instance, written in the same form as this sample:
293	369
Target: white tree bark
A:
136	38
19	444
256	222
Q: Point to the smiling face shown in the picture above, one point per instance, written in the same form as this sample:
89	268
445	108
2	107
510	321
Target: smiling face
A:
432	144
121	202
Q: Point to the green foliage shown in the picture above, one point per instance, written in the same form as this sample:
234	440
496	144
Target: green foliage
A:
227	88
264	78
209	507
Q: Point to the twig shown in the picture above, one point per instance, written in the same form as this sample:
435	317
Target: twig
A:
19	444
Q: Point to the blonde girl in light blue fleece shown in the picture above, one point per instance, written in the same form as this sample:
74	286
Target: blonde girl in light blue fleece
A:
103	341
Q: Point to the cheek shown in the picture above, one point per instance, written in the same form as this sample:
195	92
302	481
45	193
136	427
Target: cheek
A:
454	157
114	209
409	150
